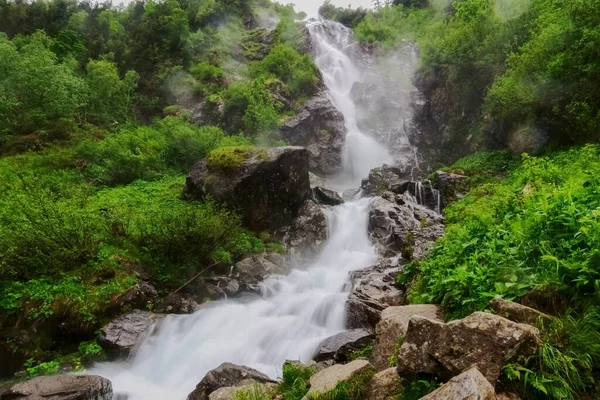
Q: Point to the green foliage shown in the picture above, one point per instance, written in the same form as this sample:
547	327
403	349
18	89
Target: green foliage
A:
294	383
537	230
256	392
229	158
352	389
418	387
365	352
348	16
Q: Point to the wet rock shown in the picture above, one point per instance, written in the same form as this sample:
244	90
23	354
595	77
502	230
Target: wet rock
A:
326	196
469	385
61	387
142	295
175	303
392	327
316	180
452	187
268	189
307	233
226	375
124	333
255	268
373	290
338	346
483	340
326	380
384	178
399	226
319	127
518	312
385	385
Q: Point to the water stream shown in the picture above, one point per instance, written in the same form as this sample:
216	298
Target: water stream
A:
293	313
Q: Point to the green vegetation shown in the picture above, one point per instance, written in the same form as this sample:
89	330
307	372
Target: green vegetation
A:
294	383
527	231
365	352
417	387
96	136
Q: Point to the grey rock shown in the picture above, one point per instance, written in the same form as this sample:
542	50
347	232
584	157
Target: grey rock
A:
175	303
392	327
385	385
338	346
307	233
124	333
326	196
61	387
484	340
518	312
469	385
452	187
326	380
268	188
141	295
220	287
384	178
373	290
248	386
319	127
255	268
226	375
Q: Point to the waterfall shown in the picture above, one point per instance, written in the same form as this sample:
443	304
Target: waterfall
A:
293	313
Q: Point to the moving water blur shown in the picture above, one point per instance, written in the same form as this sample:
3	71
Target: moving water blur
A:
294	312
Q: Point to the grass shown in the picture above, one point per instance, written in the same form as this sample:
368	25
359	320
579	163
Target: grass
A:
529	230
294	383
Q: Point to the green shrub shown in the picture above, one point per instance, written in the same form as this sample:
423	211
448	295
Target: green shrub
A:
294	383
229	158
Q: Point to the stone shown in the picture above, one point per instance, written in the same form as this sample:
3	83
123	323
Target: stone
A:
373	290
248	386
518	312
124	333
452	186
221	287
61	387
338	346
226	375
175	303
326	196
253	269
307	233
268	188
326	380
484	340
392	328
397	225
470	385
383	179
319	127
385	385
140	296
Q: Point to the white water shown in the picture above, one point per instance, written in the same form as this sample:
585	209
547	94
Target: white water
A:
294	312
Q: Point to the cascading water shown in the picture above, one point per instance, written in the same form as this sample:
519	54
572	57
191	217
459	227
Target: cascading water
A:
293	313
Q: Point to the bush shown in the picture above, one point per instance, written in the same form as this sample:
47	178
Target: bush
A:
229	158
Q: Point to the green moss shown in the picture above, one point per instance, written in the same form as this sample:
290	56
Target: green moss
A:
229	158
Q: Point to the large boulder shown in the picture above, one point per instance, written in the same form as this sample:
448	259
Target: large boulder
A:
518	312
452	186
469	385
61	387
319	127
484	340
226	375
326	380
391	329
373	290
326	196
268	188
253	269
384	178
307	233
338	346
245	389
124	333
385	385
398	225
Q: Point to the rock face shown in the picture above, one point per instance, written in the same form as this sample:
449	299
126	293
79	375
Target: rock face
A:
399	226
226	375
61	387
268	188
319	127
139	296
452	187
469	385
392	328
483	340
325	196
326	380
518	312
123	334
373	290
385	178
385	385
307	233
338	346
177	304
255	268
